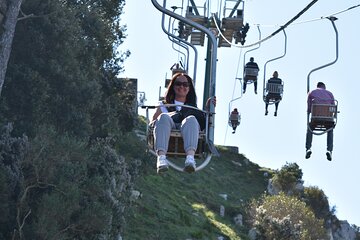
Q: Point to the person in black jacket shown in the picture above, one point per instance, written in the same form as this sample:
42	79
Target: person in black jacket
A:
251	65
275	96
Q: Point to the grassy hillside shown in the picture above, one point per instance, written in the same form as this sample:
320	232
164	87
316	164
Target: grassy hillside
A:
178	205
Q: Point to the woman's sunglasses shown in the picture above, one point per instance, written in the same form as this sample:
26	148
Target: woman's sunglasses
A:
184	84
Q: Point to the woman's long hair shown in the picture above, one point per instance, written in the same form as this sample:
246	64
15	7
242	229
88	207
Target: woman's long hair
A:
170	93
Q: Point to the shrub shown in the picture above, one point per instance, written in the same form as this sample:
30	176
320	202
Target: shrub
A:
287	178
285	217
71	189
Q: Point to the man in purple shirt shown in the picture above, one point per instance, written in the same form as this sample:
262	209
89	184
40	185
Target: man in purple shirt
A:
321	96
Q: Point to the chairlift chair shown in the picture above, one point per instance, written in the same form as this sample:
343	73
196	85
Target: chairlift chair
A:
234	119
197	37
273	92
323	117
204	151
231	22
250	74
197	24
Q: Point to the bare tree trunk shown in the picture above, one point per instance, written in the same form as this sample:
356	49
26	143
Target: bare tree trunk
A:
6	38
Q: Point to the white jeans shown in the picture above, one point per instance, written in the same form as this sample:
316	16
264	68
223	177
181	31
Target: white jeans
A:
189	128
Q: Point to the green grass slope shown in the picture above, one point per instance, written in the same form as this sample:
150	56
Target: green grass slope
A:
177	205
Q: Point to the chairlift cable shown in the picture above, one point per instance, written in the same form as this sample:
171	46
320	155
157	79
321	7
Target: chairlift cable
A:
294	18
324	17
310	20
271	35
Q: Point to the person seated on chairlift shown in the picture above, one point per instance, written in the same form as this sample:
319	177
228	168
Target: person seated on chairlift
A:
180	91
234	119
319	96
253	65
275	96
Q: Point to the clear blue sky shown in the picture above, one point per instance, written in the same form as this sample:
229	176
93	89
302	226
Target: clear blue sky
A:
267	140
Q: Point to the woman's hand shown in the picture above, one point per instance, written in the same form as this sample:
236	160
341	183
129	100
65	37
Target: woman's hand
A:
156	114
212	100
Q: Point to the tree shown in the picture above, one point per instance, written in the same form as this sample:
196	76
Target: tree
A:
6	38
287	178
61	91
63	68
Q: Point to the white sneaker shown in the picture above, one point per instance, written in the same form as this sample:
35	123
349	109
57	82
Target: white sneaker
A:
162	164
190	164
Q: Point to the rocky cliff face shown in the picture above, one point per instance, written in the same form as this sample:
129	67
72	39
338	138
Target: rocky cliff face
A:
342	230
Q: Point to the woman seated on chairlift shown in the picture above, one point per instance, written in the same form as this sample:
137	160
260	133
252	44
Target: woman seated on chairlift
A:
180	91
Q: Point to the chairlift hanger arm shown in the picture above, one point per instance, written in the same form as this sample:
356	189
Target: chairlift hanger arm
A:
285	45
258	46
179	43
173	38
332	19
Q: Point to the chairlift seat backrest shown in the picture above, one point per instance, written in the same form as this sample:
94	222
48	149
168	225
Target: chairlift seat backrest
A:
274	88
323	116
234	117
253	72
323	112
193	15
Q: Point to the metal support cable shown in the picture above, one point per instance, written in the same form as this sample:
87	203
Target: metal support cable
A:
271	35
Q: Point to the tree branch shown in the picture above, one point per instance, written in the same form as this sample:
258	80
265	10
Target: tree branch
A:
31	15
23	223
